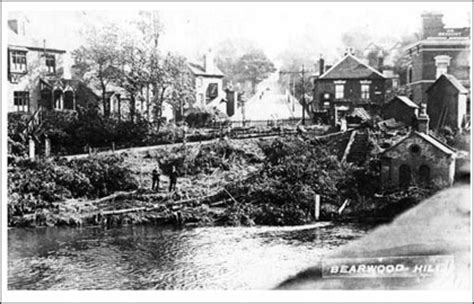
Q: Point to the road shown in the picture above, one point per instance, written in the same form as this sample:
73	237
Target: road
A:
269	102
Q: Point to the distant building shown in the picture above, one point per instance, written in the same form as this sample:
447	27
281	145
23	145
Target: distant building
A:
441	51
208	83
418	158
447	103
402	108
347	84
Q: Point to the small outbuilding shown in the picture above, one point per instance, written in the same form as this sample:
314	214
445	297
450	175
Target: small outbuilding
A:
447	101
418	158
402	109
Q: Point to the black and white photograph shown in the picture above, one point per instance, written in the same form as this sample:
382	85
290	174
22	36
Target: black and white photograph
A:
236	147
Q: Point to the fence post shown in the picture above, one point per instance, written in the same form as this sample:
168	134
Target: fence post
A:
31	146
113	147
317	206
47	146
141	173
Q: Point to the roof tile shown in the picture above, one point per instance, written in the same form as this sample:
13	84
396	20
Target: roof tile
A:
351	68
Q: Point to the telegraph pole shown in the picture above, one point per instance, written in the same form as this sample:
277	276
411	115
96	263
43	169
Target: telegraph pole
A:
303	101
303	98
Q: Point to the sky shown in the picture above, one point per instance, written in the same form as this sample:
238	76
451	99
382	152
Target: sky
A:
190	29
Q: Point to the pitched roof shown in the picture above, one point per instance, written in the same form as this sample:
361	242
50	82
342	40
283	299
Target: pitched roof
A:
361	113
430	139
453	80
66	84
199	70
406	101
350	67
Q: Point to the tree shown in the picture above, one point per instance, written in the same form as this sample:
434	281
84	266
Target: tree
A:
97	62
172	83
228	53
254	67
129	57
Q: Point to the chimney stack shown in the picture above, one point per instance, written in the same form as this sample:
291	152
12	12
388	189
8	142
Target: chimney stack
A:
380	61
321	65
349	51
423	120
432	24
208	61
231	101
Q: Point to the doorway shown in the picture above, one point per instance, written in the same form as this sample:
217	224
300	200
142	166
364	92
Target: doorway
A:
404	178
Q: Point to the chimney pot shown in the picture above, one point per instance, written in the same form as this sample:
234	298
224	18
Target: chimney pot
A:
423	120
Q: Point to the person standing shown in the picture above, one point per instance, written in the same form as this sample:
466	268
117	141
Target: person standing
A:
173	179
155	180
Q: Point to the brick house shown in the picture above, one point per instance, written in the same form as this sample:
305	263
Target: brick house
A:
418	158
441	51
402	108
447	103
208	83
347	84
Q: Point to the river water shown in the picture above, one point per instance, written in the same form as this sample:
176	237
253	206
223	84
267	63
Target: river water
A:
149	257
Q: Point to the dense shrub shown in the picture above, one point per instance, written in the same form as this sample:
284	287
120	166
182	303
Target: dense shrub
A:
33	185
295	170
209	157
16	124
201	117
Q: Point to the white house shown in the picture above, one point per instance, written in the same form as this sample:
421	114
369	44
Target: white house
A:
208	83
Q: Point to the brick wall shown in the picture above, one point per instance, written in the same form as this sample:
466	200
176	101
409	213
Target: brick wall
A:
441	166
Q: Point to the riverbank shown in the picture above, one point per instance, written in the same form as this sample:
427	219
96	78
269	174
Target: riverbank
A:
226	183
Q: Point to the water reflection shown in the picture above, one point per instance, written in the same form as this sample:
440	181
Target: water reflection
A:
147	257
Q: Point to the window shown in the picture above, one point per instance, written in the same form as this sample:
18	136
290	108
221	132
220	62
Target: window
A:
212	91
339	91
58	99
365	91
442	62
201	98
415	149
21	99
199	82
440	70
410	75
17	62
50	64
69	101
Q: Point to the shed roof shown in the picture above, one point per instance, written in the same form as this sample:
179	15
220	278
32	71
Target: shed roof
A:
350	67
430	139
453	80
361	113
406	101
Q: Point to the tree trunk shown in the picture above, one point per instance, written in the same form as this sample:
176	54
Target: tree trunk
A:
160	104
132	107
104	100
